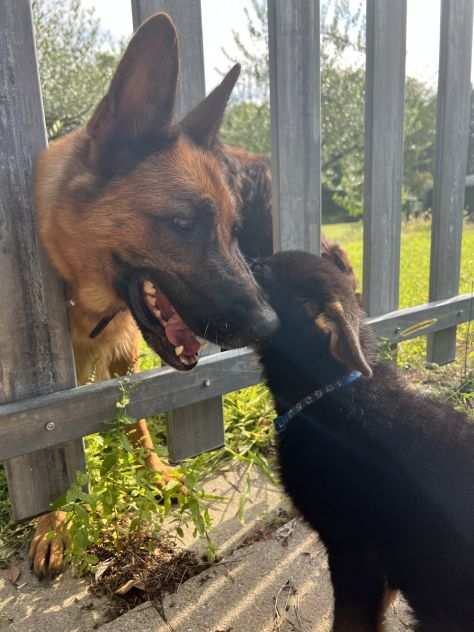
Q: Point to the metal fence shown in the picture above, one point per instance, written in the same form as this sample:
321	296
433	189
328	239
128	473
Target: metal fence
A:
43	414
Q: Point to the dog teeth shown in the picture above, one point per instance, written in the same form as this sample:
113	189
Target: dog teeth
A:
202	342
179	350
187	361
160	317
149	288
152	305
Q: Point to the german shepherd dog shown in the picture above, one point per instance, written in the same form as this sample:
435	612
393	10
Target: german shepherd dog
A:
385	475
139	217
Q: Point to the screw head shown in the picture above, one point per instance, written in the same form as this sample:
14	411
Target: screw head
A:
50	426
206	383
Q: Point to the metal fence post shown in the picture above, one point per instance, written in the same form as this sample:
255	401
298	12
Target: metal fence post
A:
296	123
35	349
384	108
449	173
197	428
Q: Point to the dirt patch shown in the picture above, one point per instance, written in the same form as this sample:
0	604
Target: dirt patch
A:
144	569
452	383
265	529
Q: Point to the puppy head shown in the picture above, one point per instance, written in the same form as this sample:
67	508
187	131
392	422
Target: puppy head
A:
320	316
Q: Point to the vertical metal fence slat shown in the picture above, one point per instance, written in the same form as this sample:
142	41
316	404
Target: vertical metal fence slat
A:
35	347
295	114
449	173
384	110
187	17
197	428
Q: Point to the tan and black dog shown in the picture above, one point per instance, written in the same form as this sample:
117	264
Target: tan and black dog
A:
139	216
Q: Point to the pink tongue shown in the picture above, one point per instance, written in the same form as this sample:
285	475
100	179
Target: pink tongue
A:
165	307
180	335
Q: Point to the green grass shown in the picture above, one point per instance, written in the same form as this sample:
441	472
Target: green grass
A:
414	269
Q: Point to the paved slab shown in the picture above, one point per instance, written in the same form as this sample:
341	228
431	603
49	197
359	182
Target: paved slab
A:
64	605
262	501
269	580
275	585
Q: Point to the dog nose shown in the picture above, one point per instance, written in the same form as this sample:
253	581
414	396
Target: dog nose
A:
264	324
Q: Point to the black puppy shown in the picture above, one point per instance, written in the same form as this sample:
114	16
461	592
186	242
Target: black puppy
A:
385	475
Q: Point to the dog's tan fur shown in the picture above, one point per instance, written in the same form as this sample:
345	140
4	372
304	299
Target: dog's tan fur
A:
113	190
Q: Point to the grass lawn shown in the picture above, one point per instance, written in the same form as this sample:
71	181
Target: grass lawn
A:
414	268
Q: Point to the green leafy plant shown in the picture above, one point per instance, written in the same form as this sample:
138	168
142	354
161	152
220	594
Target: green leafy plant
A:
120	496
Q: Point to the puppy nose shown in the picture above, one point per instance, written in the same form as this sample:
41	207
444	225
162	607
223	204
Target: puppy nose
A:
264	324
261	271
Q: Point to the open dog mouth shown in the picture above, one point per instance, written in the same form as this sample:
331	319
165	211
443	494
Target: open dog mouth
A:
161	325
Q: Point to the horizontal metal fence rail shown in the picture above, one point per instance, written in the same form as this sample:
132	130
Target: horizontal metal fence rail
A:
51	419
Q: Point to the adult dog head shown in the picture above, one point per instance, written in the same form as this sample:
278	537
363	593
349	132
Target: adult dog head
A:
136	213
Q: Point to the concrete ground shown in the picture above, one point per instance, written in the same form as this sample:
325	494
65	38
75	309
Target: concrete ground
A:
276	585
64	605
270	579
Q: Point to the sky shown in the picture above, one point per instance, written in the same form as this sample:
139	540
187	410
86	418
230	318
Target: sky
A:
221	17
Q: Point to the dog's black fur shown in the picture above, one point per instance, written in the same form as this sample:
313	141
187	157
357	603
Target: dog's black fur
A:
385	475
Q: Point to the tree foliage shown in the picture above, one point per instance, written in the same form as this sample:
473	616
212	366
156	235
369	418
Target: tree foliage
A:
247	124
342	105
419	138
76	60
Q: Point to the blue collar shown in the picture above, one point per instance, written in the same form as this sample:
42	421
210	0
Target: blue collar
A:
282	421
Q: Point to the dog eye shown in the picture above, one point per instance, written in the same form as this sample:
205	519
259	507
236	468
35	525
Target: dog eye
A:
183	224
236	230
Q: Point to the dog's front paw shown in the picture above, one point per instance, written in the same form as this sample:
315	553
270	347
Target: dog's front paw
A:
166	474
47	548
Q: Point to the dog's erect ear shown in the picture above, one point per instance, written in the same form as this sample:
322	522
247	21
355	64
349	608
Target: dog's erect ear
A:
202	124
344	343
140	101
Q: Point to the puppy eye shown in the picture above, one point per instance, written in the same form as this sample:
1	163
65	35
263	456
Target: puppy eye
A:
311	306
183	224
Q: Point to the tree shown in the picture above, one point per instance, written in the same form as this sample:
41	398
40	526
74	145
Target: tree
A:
76	61
247	122
419	138
342	106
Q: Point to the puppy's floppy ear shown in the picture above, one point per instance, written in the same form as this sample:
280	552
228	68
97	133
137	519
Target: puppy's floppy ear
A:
344	343
202	124
140	101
